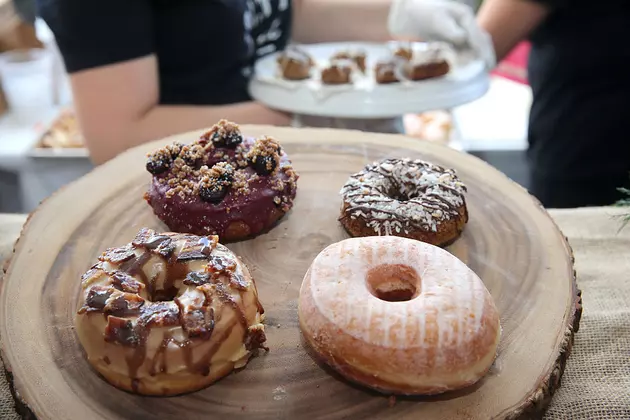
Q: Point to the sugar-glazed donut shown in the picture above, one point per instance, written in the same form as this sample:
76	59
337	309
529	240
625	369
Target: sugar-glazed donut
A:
398	315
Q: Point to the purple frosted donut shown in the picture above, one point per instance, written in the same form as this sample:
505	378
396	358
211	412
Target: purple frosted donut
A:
221	184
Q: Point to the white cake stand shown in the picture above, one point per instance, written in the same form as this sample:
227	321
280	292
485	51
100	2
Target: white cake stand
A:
365	99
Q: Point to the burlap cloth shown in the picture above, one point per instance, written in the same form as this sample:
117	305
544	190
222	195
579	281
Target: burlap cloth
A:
596	382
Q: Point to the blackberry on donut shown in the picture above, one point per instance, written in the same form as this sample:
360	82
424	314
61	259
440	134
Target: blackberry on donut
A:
406	197
265	156
168	313
222	184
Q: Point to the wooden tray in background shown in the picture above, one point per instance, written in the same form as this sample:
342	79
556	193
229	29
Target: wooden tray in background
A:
510	242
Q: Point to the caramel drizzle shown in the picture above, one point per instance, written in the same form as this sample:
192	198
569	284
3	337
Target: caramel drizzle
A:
175	270
363	194
261	310
202	366
226	299
159	364
137	357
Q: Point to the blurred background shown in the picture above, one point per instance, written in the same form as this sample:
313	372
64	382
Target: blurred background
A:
41	147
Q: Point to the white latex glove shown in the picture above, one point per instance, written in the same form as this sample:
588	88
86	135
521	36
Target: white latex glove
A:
441	20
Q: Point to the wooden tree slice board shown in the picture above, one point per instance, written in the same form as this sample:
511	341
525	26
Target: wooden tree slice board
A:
510	242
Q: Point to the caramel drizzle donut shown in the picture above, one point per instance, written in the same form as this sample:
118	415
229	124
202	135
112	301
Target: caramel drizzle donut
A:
399	196
168	313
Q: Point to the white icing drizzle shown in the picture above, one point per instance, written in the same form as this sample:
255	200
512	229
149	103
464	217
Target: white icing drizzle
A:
300	56
430	195
434	53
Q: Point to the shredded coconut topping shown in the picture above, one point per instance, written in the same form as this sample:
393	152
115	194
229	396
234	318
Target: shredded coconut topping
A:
395	195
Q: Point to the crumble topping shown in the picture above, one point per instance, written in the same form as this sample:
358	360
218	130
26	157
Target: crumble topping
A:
265	156
218	164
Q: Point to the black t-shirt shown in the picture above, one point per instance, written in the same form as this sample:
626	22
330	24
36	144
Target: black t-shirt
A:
579	68
205	48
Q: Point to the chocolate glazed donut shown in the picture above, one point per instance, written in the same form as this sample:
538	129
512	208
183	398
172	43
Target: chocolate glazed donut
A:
221	184
405	197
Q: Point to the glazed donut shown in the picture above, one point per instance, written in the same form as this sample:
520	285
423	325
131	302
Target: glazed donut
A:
398	315
404	197
168	313
222	184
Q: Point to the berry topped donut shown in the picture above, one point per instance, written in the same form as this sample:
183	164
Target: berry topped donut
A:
411	198
222	184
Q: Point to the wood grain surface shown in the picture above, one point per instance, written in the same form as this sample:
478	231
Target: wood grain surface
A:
510	242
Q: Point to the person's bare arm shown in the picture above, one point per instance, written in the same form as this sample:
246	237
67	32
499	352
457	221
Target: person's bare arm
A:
117	107
510	21
340	20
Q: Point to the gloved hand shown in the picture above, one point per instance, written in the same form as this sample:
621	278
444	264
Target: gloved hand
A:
441	20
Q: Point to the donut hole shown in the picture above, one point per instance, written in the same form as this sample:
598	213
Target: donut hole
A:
400	196
164	279
164	295
393	282
401	192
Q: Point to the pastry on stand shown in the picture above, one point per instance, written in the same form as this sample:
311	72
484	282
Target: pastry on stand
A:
377	82
338	72
426	64
358	56
386	72
295	64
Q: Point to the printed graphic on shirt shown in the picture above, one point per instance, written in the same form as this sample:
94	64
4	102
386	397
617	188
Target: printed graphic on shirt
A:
267	26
